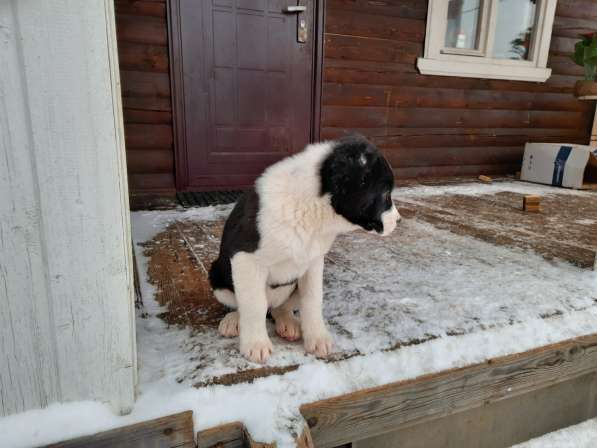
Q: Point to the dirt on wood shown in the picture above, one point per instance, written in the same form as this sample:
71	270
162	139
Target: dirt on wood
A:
566	227
179	270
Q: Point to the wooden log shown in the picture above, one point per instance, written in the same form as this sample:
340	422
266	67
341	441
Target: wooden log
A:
377	26
141	8
393	136
382	409
562	45
174	431
147	103
453	170
143	57
411	9
451	156
150	160
145	84
160	182
383	50
405	74
342	94
564	65
143	30
136	116
148	136
577	9
569	27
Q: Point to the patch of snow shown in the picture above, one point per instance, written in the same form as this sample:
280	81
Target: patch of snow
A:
476	188
585	222
583	435
269	406
477	301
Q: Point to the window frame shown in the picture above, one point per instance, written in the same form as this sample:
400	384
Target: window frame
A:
439	60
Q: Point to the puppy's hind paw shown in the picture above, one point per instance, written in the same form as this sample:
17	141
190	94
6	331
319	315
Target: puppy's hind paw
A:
229	325
319	345
288	327
258	350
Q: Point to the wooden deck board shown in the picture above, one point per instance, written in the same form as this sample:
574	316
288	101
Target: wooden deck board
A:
559	231
180	256
379	410
174	431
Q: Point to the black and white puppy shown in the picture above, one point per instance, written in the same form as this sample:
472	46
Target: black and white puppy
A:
275	240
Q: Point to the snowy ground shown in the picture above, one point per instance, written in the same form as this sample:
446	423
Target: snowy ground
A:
469	299
583	435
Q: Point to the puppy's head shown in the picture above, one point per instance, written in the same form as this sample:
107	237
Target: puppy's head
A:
359	181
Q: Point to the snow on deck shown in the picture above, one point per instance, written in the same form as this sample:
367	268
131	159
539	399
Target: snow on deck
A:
421	301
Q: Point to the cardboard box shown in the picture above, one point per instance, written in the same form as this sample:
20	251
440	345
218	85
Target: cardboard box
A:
562	165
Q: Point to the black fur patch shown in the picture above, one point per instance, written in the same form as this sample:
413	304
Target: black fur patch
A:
359	180
240	235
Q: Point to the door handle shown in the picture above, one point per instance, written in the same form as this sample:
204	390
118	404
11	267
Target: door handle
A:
301	22
294	9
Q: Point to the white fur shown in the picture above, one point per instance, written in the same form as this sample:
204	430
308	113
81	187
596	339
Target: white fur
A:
389	219
297	227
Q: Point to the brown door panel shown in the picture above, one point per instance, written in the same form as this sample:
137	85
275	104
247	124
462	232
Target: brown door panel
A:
247	88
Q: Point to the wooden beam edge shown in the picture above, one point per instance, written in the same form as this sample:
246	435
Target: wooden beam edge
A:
373	397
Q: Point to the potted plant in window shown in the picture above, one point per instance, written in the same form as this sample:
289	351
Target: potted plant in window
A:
585	55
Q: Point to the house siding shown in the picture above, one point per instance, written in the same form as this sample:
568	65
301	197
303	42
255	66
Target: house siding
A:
142	30
426	125
436	125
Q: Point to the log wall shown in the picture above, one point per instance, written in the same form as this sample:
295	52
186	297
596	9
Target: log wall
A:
442	126
142	30
427	125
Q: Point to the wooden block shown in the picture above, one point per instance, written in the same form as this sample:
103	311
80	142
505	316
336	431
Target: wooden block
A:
532	199
531	203
483	178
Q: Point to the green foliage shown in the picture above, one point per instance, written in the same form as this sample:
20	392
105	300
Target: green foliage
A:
585	55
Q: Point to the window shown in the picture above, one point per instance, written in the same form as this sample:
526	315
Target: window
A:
500	39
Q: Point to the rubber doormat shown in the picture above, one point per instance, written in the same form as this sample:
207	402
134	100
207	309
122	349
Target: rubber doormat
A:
207	198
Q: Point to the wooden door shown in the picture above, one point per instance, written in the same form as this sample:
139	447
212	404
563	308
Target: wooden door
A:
243	88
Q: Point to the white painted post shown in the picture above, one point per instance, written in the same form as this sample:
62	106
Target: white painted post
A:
66	289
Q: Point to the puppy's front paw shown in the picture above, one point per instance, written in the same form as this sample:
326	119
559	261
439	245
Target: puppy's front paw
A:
288	327
229	325
319	344
256	350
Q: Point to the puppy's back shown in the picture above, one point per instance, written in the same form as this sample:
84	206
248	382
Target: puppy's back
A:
240	235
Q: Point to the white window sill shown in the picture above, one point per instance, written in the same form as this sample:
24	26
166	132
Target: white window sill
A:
482	70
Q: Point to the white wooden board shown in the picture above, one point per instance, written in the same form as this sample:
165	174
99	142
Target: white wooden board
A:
66	289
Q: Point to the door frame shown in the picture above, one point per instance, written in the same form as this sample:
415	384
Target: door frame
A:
181	173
